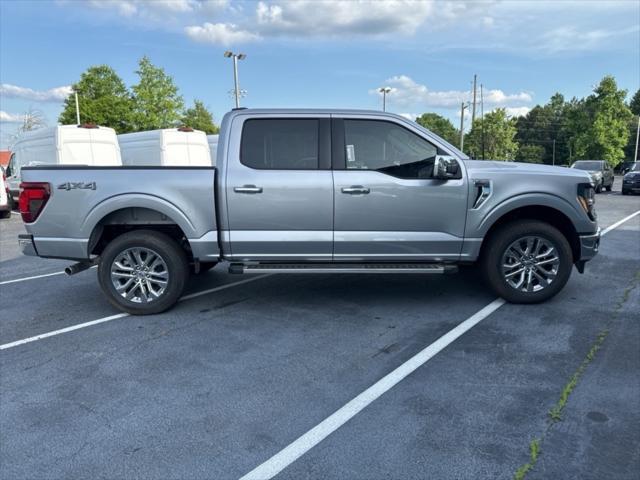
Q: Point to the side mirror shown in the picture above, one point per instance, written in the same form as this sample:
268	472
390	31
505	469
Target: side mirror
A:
445	167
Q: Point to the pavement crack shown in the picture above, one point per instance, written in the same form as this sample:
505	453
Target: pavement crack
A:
555	413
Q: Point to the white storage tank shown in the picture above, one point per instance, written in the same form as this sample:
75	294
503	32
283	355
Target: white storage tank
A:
177	147
213	147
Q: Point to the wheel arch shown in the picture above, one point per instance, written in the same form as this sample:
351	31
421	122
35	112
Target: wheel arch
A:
544	213
112	218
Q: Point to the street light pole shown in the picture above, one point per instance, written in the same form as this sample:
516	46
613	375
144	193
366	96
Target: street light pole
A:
77	108
384	91
235	57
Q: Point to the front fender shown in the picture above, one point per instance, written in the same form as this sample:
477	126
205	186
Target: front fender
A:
481	221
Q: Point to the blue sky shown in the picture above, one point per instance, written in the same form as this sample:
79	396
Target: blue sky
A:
317	53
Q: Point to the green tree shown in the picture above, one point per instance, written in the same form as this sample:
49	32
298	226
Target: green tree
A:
199	118
634	104
531	153
543	126
499	136
157	103
440	126
104	100
602	127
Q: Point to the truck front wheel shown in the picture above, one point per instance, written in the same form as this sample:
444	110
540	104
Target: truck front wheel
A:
527	261
143	272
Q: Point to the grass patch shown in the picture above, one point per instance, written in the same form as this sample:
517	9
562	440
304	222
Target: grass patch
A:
555	414
534	452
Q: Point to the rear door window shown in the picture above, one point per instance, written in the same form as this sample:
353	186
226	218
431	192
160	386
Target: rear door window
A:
280	144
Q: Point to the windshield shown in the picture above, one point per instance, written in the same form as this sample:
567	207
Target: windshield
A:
635	167
588	165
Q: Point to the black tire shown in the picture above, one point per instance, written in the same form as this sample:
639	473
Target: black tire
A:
5	213
625	192
501	240
610	187
175	264
599	187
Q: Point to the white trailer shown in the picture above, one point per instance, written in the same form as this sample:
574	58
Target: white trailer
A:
213	147
181	147
62	145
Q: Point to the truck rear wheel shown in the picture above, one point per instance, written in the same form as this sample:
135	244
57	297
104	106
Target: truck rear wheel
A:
143	272
527	261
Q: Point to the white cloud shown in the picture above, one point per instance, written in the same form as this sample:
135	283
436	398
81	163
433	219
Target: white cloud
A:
336	17
129	8
220	33
517	111
405	92
57	94
571	38
6	117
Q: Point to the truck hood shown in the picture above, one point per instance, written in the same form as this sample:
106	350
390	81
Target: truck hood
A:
487	167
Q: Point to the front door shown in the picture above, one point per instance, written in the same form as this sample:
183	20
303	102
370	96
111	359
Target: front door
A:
279	189
387	205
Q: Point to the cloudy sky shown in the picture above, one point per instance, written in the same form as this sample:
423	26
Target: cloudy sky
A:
321	53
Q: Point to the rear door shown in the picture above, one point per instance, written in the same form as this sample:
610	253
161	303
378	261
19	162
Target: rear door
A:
387	205
279	189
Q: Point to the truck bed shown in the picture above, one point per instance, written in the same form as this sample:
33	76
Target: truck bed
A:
85	198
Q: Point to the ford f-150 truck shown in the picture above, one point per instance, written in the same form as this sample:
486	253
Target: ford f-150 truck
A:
313	191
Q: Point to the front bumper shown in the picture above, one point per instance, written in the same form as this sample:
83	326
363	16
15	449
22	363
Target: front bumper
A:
589	245
27	246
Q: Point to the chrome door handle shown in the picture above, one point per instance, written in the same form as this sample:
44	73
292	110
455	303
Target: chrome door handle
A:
247	189
356	190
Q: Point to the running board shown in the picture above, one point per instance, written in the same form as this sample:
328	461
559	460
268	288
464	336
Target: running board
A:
343	268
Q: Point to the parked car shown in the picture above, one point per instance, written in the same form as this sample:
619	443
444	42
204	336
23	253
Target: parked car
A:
600	171
631	180
627	166
314	191
5	198
62	145
176	147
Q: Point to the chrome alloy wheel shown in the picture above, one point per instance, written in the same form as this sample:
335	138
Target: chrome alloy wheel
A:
530	264
139	275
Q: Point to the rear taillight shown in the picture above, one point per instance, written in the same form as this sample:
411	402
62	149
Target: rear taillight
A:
33	198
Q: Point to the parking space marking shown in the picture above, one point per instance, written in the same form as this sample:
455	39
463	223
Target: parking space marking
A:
16	280
617	224
121	315
6	282
313	437
306	442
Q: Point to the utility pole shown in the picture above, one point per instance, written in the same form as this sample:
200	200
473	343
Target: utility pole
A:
384	91
77	108
462	107
554	152
482	118
635	155
473	110
236	57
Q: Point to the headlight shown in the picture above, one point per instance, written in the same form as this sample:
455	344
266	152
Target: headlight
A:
587	199
596	174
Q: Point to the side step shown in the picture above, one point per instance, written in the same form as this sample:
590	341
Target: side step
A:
343	268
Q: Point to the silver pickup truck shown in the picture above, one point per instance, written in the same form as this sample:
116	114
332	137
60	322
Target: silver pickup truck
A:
313	191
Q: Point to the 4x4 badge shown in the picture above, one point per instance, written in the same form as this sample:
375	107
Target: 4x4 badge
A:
75	185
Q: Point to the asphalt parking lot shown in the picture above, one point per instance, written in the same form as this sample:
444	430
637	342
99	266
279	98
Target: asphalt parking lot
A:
228	379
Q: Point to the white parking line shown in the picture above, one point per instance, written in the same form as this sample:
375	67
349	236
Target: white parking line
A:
120	315
313	437
6	282
617	224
